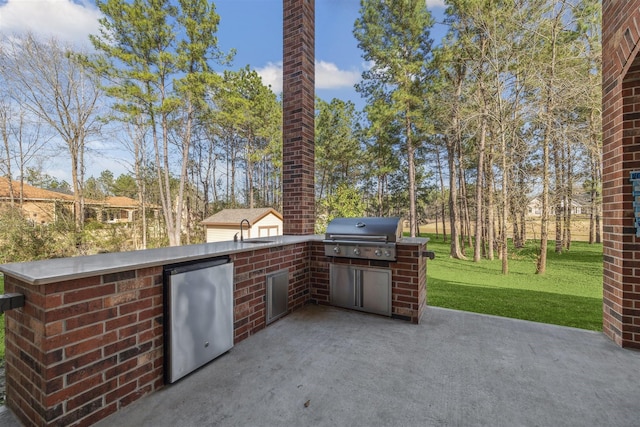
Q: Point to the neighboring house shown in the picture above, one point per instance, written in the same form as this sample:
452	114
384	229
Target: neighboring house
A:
39	206
263	222
119	209
534	207
44	206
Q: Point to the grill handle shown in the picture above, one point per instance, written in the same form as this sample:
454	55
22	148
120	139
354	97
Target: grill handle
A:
350	237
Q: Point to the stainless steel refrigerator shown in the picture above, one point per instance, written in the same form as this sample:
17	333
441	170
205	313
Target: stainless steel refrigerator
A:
198	315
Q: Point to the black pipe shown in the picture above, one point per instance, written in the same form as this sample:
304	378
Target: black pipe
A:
429	254
11	301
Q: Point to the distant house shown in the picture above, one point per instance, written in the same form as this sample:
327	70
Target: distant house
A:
263	222
39	206
119	209
534	207
44	206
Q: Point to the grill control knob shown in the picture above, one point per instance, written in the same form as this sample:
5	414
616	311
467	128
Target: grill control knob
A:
387	253
356	251
336	249
378	252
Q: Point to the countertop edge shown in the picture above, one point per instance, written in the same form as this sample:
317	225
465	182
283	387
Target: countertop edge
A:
48	271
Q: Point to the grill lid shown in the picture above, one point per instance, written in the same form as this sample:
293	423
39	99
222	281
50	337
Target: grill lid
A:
385	229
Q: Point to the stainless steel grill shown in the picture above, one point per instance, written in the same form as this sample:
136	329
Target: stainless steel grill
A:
363	238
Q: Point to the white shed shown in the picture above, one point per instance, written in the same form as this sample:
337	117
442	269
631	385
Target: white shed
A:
264	222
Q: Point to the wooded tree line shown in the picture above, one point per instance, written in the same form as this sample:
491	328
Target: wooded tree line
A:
464	132
507	107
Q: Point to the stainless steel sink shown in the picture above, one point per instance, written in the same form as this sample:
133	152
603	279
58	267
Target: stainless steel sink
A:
257	241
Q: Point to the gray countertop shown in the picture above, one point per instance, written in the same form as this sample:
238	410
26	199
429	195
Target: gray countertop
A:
60	269
414	240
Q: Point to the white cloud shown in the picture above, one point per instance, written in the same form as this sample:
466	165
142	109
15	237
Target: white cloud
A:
272	76
65	20
434	3
328	76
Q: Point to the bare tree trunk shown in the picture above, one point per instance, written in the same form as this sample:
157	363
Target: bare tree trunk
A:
595	232
464	202
439	166
569	199
479	189
4	130
541	265
490	205
413	220
558	193
504	247
549	138
454	219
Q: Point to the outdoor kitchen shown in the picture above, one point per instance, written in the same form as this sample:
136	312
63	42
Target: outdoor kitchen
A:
91	337
87	336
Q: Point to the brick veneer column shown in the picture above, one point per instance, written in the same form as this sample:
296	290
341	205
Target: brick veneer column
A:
298	116
621	154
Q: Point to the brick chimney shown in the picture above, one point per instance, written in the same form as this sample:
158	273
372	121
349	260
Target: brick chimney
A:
298	95
621	155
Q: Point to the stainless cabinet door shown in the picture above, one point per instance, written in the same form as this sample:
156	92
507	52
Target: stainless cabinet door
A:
277	295
342	280
376	291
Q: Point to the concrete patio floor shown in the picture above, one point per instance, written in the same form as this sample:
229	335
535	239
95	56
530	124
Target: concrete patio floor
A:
323	366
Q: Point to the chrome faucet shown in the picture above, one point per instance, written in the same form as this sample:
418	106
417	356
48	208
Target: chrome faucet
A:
248	227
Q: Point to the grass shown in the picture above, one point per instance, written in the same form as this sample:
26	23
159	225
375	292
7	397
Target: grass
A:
569	293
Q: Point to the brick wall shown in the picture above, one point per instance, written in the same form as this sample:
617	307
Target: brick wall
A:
298	110
251	268
621	154
319	270
409	289
81	349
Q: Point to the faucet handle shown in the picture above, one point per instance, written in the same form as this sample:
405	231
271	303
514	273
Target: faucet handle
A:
235	237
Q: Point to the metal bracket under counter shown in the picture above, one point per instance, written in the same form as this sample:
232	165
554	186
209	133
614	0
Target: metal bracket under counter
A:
11	301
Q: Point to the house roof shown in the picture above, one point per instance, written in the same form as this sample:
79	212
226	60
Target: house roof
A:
38	194
234	216
121	202
30	192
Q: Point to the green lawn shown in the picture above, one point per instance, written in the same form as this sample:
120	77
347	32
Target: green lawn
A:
569	293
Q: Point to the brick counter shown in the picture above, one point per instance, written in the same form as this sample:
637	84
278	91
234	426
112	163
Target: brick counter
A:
82	348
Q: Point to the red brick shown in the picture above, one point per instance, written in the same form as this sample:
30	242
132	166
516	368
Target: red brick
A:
73	336
71	297
620	35
120	392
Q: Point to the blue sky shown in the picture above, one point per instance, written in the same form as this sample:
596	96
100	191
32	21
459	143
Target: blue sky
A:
252	27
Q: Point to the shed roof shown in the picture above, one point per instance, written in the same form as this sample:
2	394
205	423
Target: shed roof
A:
234	216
